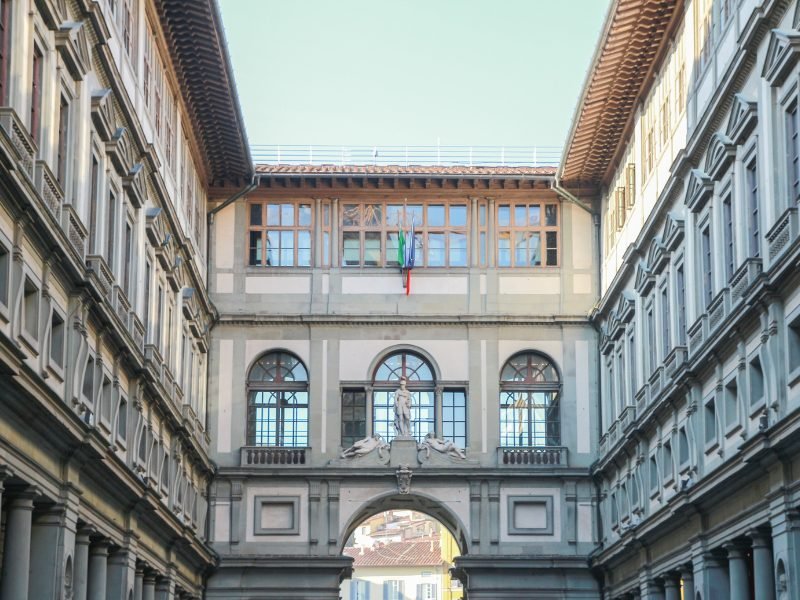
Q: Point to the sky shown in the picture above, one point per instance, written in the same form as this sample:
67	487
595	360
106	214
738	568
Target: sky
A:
410	72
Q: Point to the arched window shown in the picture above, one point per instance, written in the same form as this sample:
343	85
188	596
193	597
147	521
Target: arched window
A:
421	383
529	402
277	401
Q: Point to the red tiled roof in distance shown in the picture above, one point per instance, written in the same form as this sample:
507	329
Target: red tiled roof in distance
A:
422	552
389	170
633	38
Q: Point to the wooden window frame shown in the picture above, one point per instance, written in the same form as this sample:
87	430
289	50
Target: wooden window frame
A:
295	228
512	228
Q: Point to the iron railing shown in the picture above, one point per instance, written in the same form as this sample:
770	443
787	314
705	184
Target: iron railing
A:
490	156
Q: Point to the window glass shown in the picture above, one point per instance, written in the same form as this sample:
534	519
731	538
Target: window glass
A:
529	402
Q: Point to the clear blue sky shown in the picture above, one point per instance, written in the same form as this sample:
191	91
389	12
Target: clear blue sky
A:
381	72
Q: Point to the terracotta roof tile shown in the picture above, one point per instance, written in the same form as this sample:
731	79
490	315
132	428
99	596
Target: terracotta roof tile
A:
399	170
424	552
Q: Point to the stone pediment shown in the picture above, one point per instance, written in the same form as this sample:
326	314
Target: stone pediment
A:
73	45
644	279
133	183
719	156
781	56
742	120
672	234
120	152
103	114
699	190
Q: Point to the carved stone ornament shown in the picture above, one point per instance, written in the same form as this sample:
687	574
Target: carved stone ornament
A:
366	446
404	474
444	447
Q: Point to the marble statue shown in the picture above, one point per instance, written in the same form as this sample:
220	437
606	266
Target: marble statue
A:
365	446
431	442
402	410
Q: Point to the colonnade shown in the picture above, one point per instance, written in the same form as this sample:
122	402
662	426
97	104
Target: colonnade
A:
45	555
742	569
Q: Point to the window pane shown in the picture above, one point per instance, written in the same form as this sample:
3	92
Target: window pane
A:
551	215
273	214
483	247
351	242
435	249
552	248
458	215
287	215
255	247
534	215
391	248
482	215
414	215
304	217
436	215
458	250
394	215
273	247
303	248
503	249
372	248
504	215
373	215
326	248
287	249
520	216
255	214
535	250
521	249
351	215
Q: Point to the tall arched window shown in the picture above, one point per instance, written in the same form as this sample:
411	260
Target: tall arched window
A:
277	401
420	382
529	402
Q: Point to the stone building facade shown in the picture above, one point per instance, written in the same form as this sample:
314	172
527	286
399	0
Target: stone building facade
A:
109	149
700	305
315	330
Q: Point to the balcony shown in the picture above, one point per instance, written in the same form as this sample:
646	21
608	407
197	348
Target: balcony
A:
783	233
20	140
718	310
100	273
49	189
546	456
122	307
74	229
744	278
267	456
627	417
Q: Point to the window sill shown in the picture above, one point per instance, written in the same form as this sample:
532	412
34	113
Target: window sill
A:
56	371
732	430
794	377
757	408
30	342
711	446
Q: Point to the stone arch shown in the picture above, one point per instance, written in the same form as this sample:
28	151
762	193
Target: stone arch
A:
388	351
416	501
262	353
531	350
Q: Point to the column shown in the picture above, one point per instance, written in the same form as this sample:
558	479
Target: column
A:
120	565
80	565
737	572
762	567
164	589
138	582
716	584
687	576
652	590
17	549
149	586
672	587
48	553
98	570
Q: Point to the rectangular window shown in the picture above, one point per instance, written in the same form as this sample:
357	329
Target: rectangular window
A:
36	93
5	272
94	200
127	264
57	339
727	230
31	309
147	66
393	589
731	402
793	339
105	399
667	461
122	419
653	474
754	241
651	337
680	280
158	333
666	341
632	363
326	234
87	390
710	421
525	232
708	274
5	48
279	234
756	381
621	206
683	447
454	417
146	313
354	417
630	185
793	150
111	227
168	336
63	141
483	238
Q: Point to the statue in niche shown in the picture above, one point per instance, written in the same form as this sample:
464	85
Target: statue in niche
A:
365	446
402	410
448	447
783	587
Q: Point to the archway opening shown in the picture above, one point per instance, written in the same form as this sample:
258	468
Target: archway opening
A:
401	554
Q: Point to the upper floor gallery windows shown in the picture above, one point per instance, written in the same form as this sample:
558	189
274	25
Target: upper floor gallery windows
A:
283	233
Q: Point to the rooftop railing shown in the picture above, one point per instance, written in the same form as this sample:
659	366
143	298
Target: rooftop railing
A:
488	156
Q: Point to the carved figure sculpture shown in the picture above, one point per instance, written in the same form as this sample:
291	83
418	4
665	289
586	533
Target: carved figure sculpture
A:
431	442
365	446
402	410
404	475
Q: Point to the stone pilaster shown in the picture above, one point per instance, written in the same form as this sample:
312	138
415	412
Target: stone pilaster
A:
17	549
98	570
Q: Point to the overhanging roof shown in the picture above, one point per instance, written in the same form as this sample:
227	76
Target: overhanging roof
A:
197	43
400	170
633	35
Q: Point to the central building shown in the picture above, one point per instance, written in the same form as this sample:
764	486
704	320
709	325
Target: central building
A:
318	323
